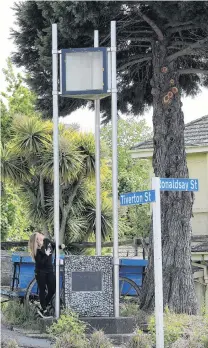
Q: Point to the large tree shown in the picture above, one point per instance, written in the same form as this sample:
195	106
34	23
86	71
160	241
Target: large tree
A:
162	54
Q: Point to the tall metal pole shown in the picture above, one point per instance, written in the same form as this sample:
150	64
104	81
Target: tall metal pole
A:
97	164
115	171
158	264
56	158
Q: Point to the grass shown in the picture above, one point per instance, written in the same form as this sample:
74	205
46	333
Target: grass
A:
15	313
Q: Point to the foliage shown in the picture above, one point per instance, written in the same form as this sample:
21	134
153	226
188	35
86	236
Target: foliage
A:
181	23
6	120
9	344
20	99
14	217
140	340
69	332
129	309
68	323
71	341
99	340
133	175
15	313
17	99
27	160
182	329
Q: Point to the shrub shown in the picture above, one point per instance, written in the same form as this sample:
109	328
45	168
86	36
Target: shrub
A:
71	341
174	325
129	309
140	340
182	330
67	324
16	313
9	344
99	340
196	334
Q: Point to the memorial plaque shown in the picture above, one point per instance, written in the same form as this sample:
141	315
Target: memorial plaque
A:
87	281
88	285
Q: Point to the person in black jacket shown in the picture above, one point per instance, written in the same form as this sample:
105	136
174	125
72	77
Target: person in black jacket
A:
41	250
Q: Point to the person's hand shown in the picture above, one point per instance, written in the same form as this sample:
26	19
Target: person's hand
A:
48	251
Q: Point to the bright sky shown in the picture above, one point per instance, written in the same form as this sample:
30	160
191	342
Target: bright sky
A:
192	108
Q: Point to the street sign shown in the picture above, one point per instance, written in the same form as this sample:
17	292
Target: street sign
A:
141	197
178	184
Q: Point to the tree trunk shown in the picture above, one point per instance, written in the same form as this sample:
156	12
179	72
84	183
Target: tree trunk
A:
169	160
65	209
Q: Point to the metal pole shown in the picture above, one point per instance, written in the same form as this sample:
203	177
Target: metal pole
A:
97	164
158	264
56	157
115	171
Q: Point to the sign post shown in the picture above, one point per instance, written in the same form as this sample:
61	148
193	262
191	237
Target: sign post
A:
97	164
115	169
158	264
56	158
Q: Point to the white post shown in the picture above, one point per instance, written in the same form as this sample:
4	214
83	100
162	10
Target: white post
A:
56	157
158	264
115	170
97	164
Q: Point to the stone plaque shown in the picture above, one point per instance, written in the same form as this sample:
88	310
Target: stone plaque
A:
88	285
87	281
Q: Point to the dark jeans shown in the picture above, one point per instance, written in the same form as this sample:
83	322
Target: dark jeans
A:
46	281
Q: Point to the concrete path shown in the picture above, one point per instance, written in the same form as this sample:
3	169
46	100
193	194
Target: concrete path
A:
22	340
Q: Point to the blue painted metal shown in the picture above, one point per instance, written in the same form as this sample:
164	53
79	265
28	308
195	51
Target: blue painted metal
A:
129	268
137	198
24	271
179	184
24	274
66	93
132	269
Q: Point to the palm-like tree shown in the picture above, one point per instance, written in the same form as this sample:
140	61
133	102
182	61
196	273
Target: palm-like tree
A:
28	161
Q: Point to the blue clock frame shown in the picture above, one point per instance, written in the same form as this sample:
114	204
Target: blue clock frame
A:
85	93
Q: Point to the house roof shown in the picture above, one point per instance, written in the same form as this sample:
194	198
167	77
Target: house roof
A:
196	134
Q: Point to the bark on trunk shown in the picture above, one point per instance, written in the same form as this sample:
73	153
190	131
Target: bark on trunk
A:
169	160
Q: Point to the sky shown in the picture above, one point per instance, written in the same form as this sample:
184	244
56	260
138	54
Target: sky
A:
192	108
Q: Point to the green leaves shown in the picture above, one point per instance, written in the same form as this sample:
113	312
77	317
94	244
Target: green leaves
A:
31	135
132	175
20	99
14	223
28	160
13	166
181	24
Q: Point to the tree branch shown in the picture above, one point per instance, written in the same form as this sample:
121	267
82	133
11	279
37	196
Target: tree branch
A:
152	25
134	57
187	50
192	71
183	27
142	39
176	24
137	32
145	59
